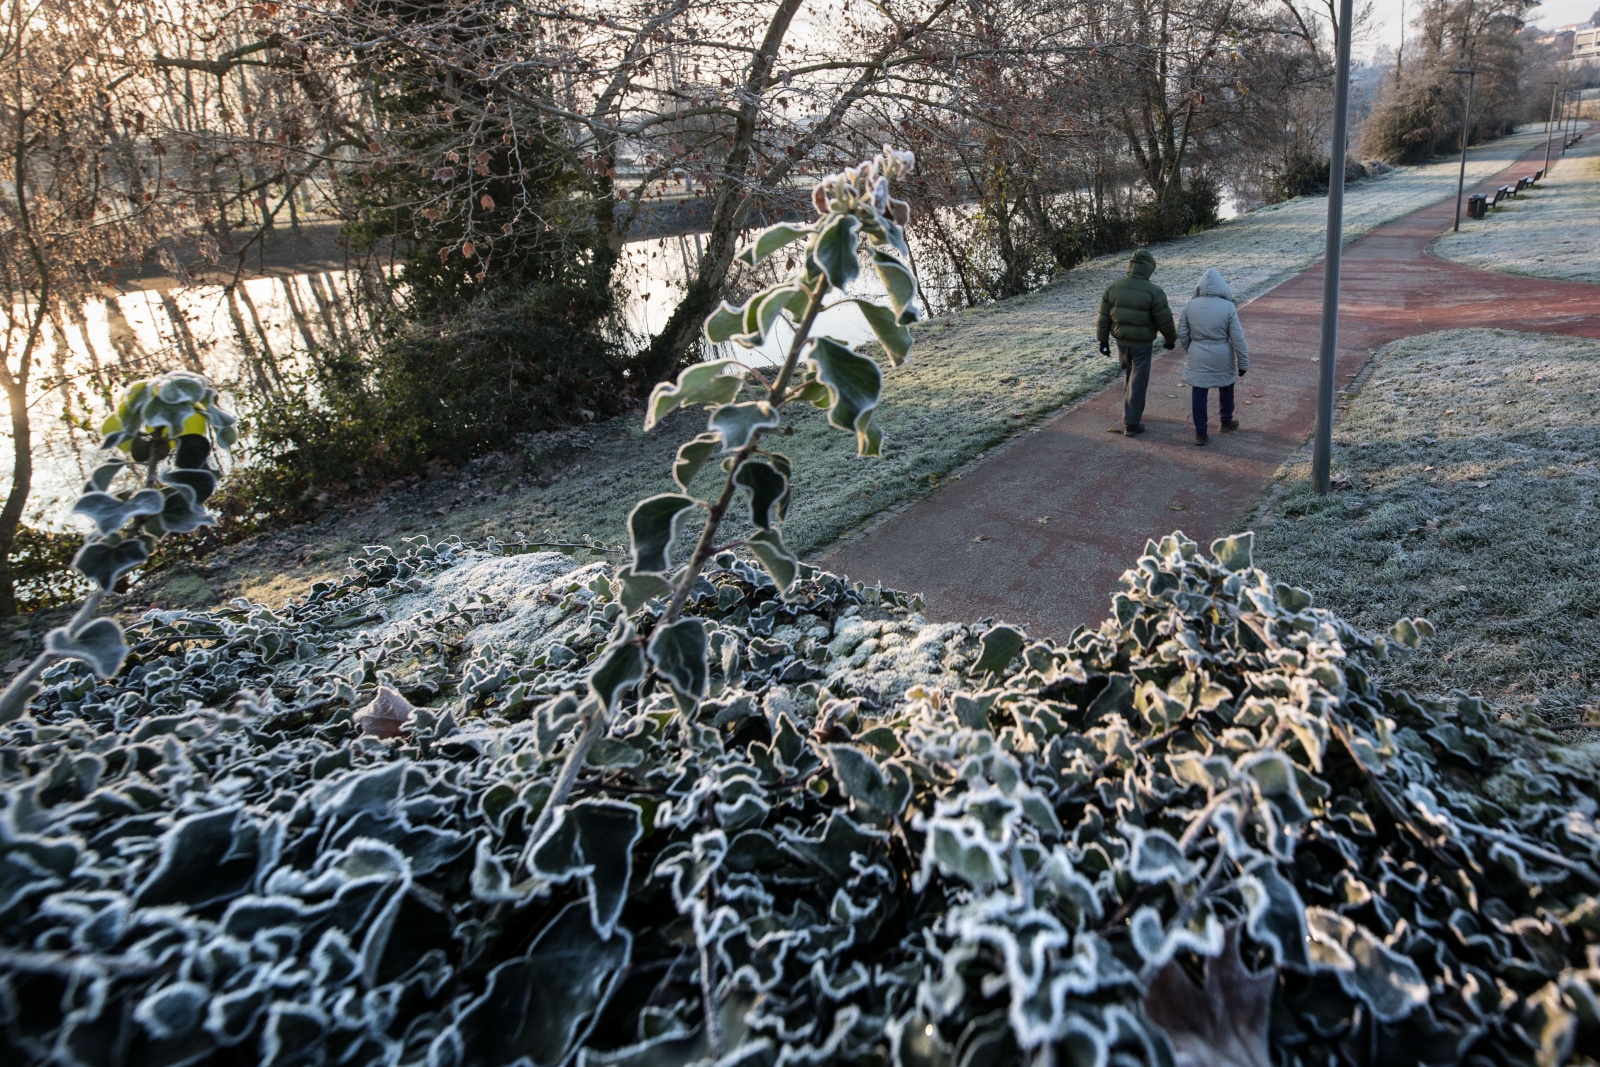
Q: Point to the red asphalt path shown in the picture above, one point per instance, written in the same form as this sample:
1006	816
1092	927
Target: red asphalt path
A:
977	548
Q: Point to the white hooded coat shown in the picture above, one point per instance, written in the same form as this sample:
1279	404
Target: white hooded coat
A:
1210	332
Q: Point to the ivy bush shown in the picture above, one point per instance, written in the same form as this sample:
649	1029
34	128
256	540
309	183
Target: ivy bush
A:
468	808
874	840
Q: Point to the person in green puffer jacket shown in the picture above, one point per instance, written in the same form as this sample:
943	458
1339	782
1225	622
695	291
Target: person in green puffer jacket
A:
1134	310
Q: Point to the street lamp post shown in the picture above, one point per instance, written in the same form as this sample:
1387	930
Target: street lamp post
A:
1549	127
1327	354
1466	133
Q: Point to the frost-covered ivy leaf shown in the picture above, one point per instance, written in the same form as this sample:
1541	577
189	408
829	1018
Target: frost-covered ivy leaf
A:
776	559
387	715
1274	775
835	251
1276	915
768	488
98	643
173	1010
692	455
1410	633
715	382
1470	745
202	483
1236	552
180	512
292	1033
886	327
1224	1024
1000	646
861	779
854	382
638	589
723	324
194	449
761	312
1388	982
104	474
199	863
736	424
677	651
1157	857
653	527
618	669
593	840
110	513
899	283
771	240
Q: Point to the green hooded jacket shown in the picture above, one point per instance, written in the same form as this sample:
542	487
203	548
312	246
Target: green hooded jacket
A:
1134	309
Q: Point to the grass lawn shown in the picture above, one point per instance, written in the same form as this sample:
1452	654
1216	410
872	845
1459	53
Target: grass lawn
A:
973	379
1471	493
1550	231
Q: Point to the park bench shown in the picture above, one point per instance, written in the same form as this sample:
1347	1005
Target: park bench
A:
1501	194
1538	175
1523	182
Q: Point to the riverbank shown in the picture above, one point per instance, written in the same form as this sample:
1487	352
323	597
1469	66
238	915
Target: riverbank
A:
973	381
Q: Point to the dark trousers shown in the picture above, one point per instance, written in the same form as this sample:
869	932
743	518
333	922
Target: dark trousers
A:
1135	360
1197	402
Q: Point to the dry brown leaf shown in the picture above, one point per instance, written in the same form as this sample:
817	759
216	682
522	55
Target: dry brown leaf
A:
1178	507
386	716
1222	1025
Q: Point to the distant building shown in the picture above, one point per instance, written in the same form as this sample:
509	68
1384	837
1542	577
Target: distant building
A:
1578	43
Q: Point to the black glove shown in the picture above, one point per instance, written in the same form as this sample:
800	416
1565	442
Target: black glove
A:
1169	346
1241	374
1105	348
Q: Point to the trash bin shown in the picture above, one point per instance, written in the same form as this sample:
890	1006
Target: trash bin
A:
1477	206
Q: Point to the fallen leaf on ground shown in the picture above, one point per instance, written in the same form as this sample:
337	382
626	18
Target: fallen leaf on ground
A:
1479	485
1221	1025
1178	507
1042	519
980	537
386	716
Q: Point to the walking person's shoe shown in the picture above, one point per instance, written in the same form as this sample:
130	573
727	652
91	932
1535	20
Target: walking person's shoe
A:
1200	440
1134	430
1229	425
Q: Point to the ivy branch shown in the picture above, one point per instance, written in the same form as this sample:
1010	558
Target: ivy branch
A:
857	219
153	479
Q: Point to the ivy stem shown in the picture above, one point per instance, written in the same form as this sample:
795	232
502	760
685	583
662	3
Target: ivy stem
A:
593	727
704	548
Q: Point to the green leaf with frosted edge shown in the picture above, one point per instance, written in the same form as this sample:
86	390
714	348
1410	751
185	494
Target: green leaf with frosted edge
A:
1000	646
835	251
98	643
637	589
104	562
714	382
109	513
725	323
760	312
104	474
855	384
677	651
771	240
692	455
201	483
816	394
653	526
737	423
768	548
1236	552
797	302
768	488
895	338
899	283
619	668
862	780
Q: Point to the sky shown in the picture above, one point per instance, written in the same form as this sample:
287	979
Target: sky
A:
1549	15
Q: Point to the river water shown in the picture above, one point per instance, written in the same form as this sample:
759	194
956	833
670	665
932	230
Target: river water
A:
267	325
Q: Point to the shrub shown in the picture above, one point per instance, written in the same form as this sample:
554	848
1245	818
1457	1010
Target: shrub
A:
874	840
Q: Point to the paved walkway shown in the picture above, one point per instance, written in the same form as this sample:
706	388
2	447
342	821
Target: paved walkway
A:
978	547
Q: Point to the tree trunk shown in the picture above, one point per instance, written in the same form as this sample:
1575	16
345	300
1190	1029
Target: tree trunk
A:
17	498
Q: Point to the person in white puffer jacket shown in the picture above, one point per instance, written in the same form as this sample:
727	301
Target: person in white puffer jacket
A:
1216	355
